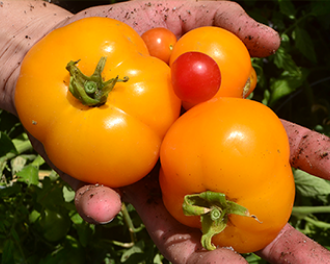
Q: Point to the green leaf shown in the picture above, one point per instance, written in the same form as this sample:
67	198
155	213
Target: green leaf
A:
9	123
4	225
158	259
68	194
311	186
76	219
9	191
254	259
283	60
22	143
305	44
38	161
285	85
3	164
285	39
17	164
15	235
51	194
265	101
69	254
287	8
6	144
136	249
55	224
84	233
29	175
8	252
320	8
34	215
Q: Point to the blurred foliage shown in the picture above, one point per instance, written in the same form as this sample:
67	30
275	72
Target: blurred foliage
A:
38	220
295	81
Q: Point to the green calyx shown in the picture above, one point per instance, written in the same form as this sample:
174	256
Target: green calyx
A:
213	209
91	90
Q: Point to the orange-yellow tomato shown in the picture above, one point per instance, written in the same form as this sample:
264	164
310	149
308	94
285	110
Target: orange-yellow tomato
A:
160	42
226	49
118	142
236	147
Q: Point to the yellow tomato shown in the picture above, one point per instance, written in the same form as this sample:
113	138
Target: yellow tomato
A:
115	142
228	158
226	49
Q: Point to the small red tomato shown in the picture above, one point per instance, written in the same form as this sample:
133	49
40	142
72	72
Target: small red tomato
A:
160	43
195	77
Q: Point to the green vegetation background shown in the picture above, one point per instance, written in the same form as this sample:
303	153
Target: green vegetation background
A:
38	220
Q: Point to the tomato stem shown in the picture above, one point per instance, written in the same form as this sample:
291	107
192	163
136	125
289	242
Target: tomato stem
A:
213	208
91	90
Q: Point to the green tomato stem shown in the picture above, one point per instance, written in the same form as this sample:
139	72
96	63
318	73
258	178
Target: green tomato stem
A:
300	211
317	223
91	90
213	209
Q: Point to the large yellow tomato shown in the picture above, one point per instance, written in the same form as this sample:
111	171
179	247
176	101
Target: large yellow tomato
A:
226	49
225	162
113	140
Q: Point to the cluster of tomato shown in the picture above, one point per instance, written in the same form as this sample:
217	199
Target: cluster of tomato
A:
106	111
197	58
224	161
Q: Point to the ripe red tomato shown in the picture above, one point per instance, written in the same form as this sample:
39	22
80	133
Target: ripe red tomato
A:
226	49
160	42
195	77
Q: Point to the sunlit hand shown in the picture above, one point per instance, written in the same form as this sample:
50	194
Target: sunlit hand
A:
25	22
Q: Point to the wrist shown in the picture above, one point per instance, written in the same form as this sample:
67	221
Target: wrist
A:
23	23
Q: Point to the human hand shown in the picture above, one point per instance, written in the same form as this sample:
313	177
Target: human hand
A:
260	40
181	244
178	16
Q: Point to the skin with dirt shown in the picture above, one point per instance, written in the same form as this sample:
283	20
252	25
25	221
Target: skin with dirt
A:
23	23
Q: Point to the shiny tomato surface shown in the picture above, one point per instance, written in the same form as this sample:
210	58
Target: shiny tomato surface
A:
236	147
226	49
118	142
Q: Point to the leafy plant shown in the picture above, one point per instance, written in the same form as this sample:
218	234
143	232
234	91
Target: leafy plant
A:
295	80
38	220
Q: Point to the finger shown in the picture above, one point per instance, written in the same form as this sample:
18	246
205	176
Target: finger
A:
177	242
96	204
23	23
291	246
310	151
182	16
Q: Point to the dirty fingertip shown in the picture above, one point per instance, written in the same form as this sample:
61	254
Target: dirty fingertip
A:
97	204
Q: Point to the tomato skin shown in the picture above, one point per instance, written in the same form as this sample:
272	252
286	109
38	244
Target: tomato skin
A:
95	144
160	42
226	49
252	83
237	147
195	77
